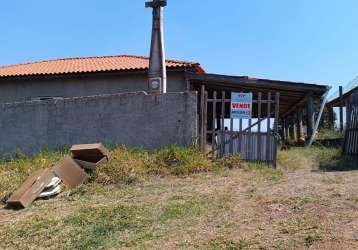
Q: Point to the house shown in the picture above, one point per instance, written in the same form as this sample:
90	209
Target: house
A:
86	76
57	120
89	76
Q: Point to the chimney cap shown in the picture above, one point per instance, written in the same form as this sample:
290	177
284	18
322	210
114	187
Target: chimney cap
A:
156	4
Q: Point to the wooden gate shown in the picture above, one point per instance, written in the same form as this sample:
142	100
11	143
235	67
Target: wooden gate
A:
253	139
350	146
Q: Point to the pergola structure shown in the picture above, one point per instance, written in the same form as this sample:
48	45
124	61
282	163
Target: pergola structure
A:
297	104
341	101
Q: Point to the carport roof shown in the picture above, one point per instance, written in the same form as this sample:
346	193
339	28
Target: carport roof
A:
293	95
337	101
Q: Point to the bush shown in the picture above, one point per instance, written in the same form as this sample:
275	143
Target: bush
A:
129	166
181	161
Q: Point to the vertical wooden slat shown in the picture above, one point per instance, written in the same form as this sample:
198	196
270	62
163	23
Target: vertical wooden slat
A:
350	147
310	115
249	142
277	111
347	137
205	134
231	134
223	122
259	145
277	117
240	138
268	116
213	144
202	100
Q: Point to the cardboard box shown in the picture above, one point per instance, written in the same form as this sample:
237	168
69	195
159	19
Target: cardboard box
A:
31	189
70	172
90	156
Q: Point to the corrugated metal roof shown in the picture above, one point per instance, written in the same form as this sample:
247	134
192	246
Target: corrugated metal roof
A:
87	65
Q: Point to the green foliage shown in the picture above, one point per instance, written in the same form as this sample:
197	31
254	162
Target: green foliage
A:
264	171
129	166
316	158
182	161
179	209
305	229
94	227
307	158
230	162
126	167
329	134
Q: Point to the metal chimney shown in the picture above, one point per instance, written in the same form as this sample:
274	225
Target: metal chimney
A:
157	69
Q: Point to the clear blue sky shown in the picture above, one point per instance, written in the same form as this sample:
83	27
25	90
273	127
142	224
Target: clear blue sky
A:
302	40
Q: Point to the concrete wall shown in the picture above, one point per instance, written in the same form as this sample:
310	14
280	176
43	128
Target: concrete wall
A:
75	86
132	119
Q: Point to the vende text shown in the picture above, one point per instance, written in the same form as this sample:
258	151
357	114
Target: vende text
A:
240	105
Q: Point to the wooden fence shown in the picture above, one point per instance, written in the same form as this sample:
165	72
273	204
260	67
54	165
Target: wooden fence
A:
350	145
252	145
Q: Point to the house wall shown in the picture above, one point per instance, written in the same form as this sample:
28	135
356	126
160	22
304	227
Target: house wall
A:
75	86
131	119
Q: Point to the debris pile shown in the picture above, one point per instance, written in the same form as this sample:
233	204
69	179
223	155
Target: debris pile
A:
70	170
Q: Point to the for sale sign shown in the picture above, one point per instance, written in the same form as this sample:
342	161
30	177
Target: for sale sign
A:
241	105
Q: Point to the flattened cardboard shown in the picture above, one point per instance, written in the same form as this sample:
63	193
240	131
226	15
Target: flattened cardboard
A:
90	156
31	189
70	172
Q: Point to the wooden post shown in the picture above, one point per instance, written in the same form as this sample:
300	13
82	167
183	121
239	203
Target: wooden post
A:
268	134
299	125
222	151
331	117
240	136
259	103
310	114
213	143
277	117
277	111
231	133
285	124
291	128
341	104
294	128
205	116
202	107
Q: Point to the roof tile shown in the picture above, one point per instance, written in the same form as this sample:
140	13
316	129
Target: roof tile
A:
87	65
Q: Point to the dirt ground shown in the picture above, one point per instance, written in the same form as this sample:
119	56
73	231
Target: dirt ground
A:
229	209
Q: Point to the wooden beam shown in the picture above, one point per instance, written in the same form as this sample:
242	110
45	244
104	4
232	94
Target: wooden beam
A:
299	124
310	114
295	106
264	83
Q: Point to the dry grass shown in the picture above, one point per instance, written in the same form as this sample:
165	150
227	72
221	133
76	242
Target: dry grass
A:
213	205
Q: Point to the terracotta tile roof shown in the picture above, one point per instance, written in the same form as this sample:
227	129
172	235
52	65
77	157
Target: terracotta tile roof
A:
88	65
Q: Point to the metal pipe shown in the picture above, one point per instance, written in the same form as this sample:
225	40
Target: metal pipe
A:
157	72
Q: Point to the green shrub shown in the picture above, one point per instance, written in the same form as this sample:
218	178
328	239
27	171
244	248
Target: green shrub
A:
182	161
127	166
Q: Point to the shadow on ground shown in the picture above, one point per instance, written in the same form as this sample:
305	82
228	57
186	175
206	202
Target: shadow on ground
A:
344	163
